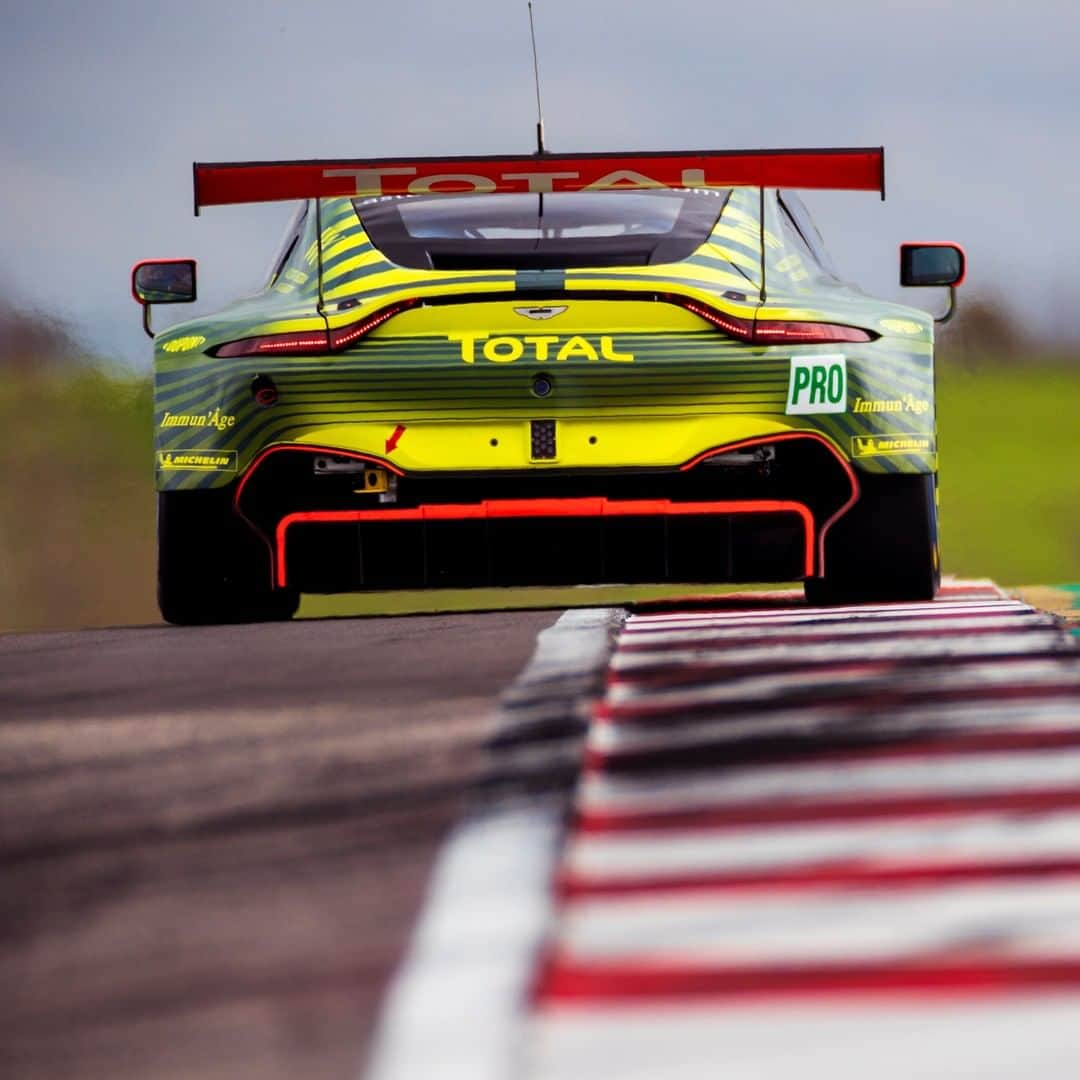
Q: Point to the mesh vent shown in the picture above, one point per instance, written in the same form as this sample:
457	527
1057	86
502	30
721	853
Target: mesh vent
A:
543	440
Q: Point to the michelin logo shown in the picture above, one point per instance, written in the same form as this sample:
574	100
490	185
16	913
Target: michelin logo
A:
197	460
863	446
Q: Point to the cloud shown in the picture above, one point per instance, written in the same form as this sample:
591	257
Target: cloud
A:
106	106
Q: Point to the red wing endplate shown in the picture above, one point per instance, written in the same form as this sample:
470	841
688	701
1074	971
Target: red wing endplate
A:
223	183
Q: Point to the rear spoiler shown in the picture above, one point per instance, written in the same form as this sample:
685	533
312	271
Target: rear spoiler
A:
851	169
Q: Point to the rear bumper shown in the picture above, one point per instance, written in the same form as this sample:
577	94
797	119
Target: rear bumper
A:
699	523
591	526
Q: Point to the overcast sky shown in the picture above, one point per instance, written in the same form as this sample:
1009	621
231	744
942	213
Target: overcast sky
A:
106	104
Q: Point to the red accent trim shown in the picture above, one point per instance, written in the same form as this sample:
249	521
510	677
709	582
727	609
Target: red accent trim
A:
221	183
783	437
157	262
299	342
565	982
264	454
315	342
294	448
941	243
827	875
805	811
344	336
547	508
395	438
787	332
742	329
765	332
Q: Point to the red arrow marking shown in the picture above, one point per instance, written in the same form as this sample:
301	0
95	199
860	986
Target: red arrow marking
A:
391	443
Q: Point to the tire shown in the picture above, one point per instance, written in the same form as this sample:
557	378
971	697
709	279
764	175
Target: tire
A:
885	548
211	567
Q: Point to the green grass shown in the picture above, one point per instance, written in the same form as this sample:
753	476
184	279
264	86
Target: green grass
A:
77	501
1010	471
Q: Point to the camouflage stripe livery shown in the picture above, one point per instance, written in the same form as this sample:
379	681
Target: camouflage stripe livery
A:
634	383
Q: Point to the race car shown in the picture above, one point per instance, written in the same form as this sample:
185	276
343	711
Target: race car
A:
545	369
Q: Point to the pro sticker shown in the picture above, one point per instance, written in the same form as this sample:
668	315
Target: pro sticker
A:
817	384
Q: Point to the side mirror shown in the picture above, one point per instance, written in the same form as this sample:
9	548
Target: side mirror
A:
934	264
162	281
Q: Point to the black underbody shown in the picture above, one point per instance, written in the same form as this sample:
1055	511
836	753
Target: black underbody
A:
734	547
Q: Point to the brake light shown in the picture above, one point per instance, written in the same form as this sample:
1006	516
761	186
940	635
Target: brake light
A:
308	342
346	335
315	342
808	333
743	329
769	333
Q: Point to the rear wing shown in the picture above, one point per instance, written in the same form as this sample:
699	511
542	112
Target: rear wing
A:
844	169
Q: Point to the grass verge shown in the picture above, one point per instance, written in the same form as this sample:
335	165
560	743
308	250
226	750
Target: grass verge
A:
76	500
1010	471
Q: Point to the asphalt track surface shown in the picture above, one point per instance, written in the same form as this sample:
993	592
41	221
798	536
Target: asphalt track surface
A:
777	830
214	841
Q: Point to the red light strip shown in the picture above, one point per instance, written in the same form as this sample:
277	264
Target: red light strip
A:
808	332
784	437
815	333
303	342
293	448
743	329
345	336
293	344
496	509
566	982
318	343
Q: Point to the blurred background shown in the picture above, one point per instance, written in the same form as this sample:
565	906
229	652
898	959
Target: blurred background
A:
108	105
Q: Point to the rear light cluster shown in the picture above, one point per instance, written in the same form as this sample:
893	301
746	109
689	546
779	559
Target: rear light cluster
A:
322	342
769	333
315	342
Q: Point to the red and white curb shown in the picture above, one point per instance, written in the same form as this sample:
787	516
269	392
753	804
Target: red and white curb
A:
811	840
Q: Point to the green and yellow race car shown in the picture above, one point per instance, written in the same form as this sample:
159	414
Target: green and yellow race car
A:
545	369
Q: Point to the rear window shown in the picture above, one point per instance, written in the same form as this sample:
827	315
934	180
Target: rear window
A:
552	231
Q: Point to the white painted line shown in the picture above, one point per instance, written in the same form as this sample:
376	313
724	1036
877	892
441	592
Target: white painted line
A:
986	920
897	1040
882	843
664	639
959	774
883	648
457	1006
637	623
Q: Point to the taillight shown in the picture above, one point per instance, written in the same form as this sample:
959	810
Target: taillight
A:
743	329
770	333
346	335
315	342
307	342
808	333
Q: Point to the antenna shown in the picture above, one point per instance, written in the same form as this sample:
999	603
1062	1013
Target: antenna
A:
536	76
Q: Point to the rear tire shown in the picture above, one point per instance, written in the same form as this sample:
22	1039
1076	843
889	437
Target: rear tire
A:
211	567
885	548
